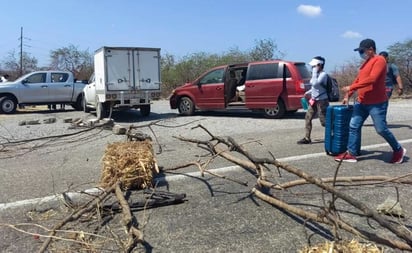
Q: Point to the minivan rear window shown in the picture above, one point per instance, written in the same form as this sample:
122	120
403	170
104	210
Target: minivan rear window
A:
303	70
263	71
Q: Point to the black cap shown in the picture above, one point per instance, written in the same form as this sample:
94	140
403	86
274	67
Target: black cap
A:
384	54
365	44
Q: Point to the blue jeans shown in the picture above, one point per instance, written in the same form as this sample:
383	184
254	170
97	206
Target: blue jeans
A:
378	115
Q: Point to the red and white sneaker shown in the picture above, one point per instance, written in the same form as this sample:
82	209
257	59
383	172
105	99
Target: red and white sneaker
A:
398	156
346	157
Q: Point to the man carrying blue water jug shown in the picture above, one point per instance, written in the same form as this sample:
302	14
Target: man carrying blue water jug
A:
372	101
317	97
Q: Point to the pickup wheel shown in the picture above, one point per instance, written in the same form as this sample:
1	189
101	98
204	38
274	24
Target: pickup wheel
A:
275	112
145	110
186	106
8	105
78	106
101	111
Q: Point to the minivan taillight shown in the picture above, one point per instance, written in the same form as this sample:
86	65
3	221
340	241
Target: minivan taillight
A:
300	86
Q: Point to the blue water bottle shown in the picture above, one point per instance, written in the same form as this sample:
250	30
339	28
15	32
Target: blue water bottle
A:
304	103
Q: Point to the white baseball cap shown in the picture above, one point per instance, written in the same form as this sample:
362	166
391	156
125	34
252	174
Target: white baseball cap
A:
315	62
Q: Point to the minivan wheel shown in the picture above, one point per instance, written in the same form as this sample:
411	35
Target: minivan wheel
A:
186	106
276	112
7	105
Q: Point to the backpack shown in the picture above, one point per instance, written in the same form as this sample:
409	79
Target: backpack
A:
332	89
390	74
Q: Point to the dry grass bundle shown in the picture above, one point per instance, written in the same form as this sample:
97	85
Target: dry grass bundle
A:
342	247
132	163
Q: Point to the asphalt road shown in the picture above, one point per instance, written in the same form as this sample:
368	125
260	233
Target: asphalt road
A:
219	215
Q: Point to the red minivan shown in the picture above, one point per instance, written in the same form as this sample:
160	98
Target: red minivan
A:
273	87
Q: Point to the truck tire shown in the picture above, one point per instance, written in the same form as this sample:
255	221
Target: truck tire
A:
78	105
186	106
86	109
275	112
145	110
101	111
8	105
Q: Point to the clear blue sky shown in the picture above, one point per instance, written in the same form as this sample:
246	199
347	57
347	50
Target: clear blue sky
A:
301	29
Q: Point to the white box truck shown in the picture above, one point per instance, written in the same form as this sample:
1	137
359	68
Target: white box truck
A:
124	78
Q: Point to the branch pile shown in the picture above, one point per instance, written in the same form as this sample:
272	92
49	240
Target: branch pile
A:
131	163
268	187
127	166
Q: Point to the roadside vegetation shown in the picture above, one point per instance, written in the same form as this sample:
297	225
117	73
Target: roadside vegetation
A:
176	71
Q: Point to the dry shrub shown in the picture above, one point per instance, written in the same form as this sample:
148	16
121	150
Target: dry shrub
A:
132	163
342	247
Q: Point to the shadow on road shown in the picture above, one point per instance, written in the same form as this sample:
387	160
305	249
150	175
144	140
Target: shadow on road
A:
131	116
42	110
392	125
248	114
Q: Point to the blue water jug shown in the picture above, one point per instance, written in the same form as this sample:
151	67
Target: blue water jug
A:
304	103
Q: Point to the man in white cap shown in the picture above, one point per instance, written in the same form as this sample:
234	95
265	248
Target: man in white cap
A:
318	97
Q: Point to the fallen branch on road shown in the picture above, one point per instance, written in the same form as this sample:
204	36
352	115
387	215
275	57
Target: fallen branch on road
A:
226	147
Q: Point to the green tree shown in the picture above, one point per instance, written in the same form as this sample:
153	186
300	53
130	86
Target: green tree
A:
401	54
169	75
175	73
265	49
234	55
346	73
72	59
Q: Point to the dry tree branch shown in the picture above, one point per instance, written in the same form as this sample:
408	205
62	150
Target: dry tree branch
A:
203	170
76	215
48	137
156	123
398	230
254	164
71	232
312	216
128	220
376	179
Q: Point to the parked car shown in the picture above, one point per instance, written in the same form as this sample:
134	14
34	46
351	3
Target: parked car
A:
272	87
41	88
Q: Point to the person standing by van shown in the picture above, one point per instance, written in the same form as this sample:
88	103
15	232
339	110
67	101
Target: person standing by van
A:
392	76
318	97
371	101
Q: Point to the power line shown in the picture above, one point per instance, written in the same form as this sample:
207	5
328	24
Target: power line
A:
21	49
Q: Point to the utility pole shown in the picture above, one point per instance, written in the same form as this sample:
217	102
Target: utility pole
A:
21	51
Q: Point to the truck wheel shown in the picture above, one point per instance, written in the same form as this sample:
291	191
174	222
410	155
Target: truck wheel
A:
275	112
84	104
186	106
145	110
8	105
101	111
78	106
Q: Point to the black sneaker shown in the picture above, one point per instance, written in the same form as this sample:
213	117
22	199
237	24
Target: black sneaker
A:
304	141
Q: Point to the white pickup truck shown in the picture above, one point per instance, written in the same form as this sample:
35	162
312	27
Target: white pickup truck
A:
41	88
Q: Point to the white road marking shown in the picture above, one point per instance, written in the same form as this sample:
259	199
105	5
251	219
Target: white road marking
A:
58	198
